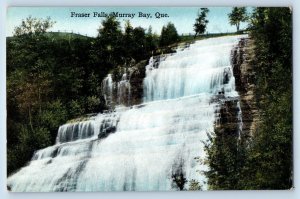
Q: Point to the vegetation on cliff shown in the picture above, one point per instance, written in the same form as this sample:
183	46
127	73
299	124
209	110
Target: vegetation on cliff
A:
270	158
265	160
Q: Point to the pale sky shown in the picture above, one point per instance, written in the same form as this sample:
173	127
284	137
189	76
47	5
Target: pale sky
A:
182	17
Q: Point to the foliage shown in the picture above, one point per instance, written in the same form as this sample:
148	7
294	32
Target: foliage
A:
109	42
224	157
194	185
201	21
113	48
168	35
45	75
266	160
237	15
32	26
152	41
270	158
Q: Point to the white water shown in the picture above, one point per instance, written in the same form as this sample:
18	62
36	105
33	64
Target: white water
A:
140	148
116	93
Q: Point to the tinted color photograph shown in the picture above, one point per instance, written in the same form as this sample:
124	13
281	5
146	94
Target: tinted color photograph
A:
149	99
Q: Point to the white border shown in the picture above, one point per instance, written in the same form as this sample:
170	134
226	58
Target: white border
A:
291	194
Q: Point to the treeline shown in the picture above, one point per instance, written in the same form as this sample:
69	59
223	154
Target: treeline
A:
49	81
265	160
55	77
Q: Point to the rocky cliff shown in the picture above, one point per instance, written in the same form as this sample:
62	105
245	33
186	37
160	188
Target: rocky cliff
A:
239	117
244	74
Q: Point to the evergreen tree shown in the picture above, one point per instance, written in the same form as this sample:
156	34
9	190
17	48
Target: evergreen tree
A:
168	35
108	46
151	41
128	40
139	44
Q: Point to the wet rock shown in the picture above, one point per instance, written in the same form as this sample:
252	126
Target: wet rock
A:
106	131
244	74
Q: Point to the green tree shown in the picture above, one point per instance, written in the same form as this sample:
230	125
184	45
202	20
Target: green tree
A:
128	40
28	87
224	159
237	15
201	21
168	35
151	41
109	41
108	50
139	44
53	116
33	26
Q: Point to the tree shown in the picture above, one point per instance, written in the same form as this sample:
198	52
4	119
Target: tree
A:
237	15
139	43
152	41
128	40
168	35
223	158
201	22
33	26
108	45
30	36
28	88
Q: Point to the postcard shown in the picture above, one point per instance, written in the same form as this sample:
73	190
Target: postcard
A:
149	99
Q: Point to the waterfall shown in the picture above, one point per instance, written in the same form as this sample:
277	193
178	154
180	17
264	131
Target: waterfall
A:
124	90
144	147
116	93
107	89
202	68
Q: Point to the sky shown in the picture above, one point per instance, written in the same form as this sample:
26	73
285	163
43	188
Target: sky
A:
182	17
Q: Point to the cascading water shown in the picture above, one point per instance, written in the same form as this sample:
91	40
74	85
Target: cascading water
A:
107	89
124	90
116	93
145	147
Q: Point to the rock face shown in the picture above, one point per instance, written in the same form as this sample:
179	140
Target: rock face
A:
124	85
240	116
244	74
136	81
229	117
